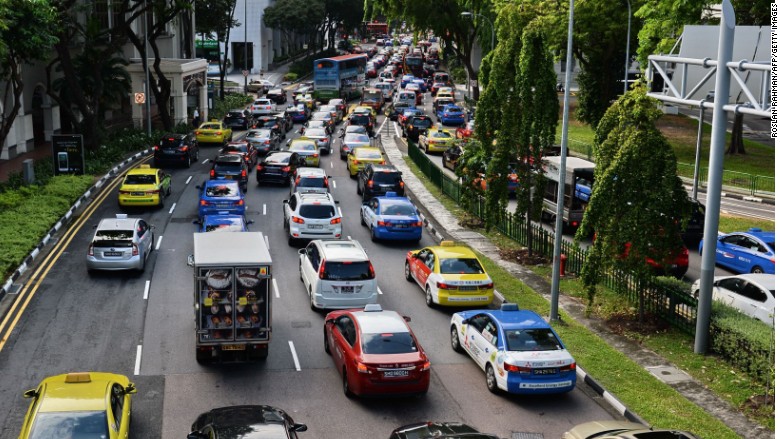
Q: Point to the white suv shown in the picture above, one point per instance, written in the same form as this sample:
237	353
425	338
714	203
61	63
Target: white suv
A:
337	274
311	216
310	180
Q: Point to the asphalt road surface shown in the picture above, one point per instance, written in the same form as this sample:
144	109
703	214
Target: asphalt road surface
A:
142	325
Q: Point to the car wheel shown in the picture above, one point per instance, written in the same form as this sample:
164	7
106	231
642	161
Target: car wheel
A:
455	340
290	241
168	192
161	202
300	271
359	192
189	160
757	270
362	220
428	297
197	154
426	148
314	308
490	379
325	338
373	235
345	385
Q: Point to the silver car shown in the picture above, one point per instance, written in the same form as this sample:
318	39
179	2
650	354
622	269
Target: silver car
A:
120	243
264	140
320	137
352	141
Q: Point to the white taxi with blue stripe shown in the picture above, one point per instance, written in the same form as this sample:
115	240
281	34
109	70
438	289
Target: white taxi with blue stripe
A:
518	351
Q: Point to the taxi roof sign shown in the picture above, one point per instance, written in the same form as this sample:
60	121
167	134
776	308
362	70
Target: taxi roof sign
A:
78	377
447	244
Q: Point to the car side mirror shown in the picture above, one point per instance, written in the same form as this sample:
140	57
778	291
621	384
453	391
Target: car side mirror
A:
32	393
130	389
301	251
407	318
250	222
285	201
299	427
366	203
191	260
336	201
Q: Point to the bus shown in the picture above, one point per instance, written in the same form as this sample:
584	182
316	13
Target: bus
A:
339	77
413	64
576	192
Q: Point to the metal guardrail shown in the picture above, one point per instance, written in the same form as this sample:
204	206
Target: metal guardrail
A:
677	309
754	184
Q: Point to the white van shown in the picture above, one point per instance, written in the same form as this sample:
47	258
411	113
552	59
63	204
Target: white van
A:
406	96
387	89
337	274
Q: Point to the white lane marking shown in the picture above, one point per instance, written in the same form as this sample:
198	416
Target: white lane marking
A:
188	180
146	289
137	370
205	161
331	164
383	123
378	290
340	214
334	184
170	211
276	289
159	240
395	127
295	356
263	208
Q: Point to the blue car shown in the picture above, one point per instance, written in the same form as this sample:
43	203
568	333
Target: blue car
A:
517	349
405	79
298	114
422	84
451	115
746	252
224	223
391	217
220	197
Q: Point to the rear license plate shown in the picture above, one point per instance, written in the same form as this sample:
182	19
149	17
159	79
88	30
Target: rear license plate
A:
401	226
396	373
349	289
139	194
112	253
234	347
549	371
228	177
169	151
315	226
467	288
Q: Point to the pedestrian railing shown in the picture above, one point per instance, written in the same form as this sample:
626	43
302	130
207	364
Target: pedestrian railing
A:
650	296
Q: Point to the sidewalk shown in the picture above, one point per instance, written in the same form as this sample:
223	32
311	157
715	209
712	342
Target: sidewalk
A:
444	225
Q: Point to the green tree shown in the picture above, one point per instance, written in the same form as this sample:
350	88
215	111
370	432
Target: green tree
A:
638	201
26	35
296	17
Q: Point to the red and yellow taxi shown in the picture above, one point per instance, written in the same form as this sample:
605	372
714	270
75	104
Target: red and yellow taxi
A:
450	275
214	132
359	157
144	186
79	404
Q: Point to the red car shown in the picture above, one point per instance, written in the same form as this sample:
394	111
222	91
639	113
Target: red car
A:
465	131
376	352
244	148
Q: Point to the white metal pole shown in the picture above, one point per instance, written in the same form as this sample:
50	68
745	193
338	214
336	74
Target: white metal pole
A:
148	86
628	48
246	43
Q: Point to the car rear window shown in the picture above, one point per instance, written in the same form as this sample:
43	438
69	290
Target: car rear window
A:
227	166
352	137
70	424
348	270
171	143
367	154
397	209
460	266
113	238
389	343
386	177
311	182
234	116
222	191
317	211
360	119
140	179
422	123
541	339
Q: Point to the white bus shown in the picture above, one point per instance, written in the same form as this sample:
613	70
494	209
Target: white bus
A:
576	192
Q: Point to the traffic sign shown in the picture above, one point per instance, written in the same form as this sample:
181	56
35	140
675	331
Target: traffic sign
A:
245	73
140	98
474	82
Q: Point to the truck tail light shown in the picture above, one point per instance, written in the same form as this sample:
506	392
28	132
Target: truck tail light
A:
135	250
297	220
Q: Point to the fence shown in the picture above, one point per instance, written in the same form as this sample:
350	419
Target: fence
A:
755	184
649	295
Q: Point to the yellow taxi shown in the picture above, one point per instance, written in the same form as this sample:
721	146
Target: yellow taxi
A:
450	275
359	157
436	140
306	148
445	92
214	132
144	186
79	404
364	109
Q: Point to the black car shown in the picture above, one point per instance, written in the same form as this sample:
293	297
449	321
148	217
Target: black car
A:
694	231
230	167
279	167
285	121
450	157
397	109
364	120
245	421
176	149
264	140
277	95
442	430
243	147
415	125
377	180
271	122
238	119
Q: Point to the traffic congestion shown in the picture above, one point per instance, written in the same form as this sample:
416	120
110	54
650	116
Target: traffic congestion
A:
322	306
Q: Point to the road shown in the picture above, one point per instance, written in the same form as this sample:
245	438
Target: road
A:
142	325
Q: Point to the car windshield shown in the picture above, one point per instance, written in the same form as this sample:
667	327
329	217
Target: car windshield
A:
303	146
541	339
82	424
401	209
222	190
388	343
226	225
140	179
227	166
367	154
317	211
357	138
113	238
460	266
349	270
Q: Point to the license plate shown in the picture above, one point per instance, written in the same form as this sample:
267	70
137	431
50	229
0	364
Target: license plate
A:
169	151
315	226
139	194
401	226
396	373
549	371
349	289
112	253
228	177
234	347
467	288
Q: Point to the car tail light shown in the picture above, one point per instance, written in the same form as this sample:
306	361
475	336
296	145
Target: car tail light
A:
259	168
355	162
184	148
212	174
286	169
243	171
326	182
322	270
239	203
197	133
401	184
382	223
444	286
371	272
315	155
324	139
267	142
125	192
297	180
568	367
297	220
425	366
361	368
512	368
135	250
219	133
91	250
336	220
417	224
370	183
204	203
156	148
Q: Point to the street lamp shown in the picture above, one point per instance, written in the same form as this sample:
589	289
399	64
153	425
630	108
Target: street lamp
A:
492	29
147	87
246	70
628	48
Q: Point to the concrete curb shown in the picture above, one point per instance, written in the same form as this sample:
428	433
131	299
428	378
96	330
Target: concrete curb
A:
84	198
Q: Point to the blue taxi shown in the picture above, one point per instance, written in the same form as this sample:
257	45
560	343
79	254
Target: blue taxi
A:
391	217
220	197
746	252
224	223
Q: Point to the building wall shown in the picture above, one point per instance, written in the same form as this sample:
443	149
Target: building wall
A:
261	38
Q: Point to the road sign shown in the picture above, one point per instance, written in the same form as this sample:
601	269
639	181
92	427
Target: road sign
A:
474	82
140	98
245	73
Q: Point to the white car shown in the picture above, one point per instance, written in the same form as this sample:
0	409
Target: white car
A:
262	106
337	274
751	294
310	180
387	90
311	216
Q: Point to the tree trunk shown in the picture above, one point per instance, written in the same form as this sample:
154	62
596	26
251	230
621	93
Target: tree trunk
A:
737	145
16	86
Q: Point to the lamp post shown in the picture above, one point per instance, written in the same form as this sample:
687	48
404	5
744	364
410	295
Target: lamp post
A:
628	48
492	29
246	71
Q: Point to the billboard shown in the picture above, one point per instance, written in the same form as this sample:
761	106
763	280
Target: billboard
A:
68	154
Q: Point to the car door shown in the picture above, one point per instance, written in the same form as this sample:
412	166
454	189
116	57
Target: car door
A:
486	341
729	249
471	343
726	290
145	239
343	338
289	207
423	265
119	411
752	300
310	266
372	212
165	182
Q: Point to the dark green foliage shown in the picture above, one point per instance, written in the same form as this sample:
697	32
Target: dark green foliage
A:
305	66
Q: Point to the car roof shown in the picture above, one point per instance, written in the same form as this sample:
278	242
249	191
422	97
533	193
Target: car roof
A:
77	391
766	236
341	250
453	251
315	197
518	319
374	322
244	415
142	170
311	172
764	280
121	222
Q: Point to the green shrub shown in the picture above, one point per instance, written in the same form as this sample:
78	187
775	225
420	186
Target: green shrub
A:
743	341
231	101
290	76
